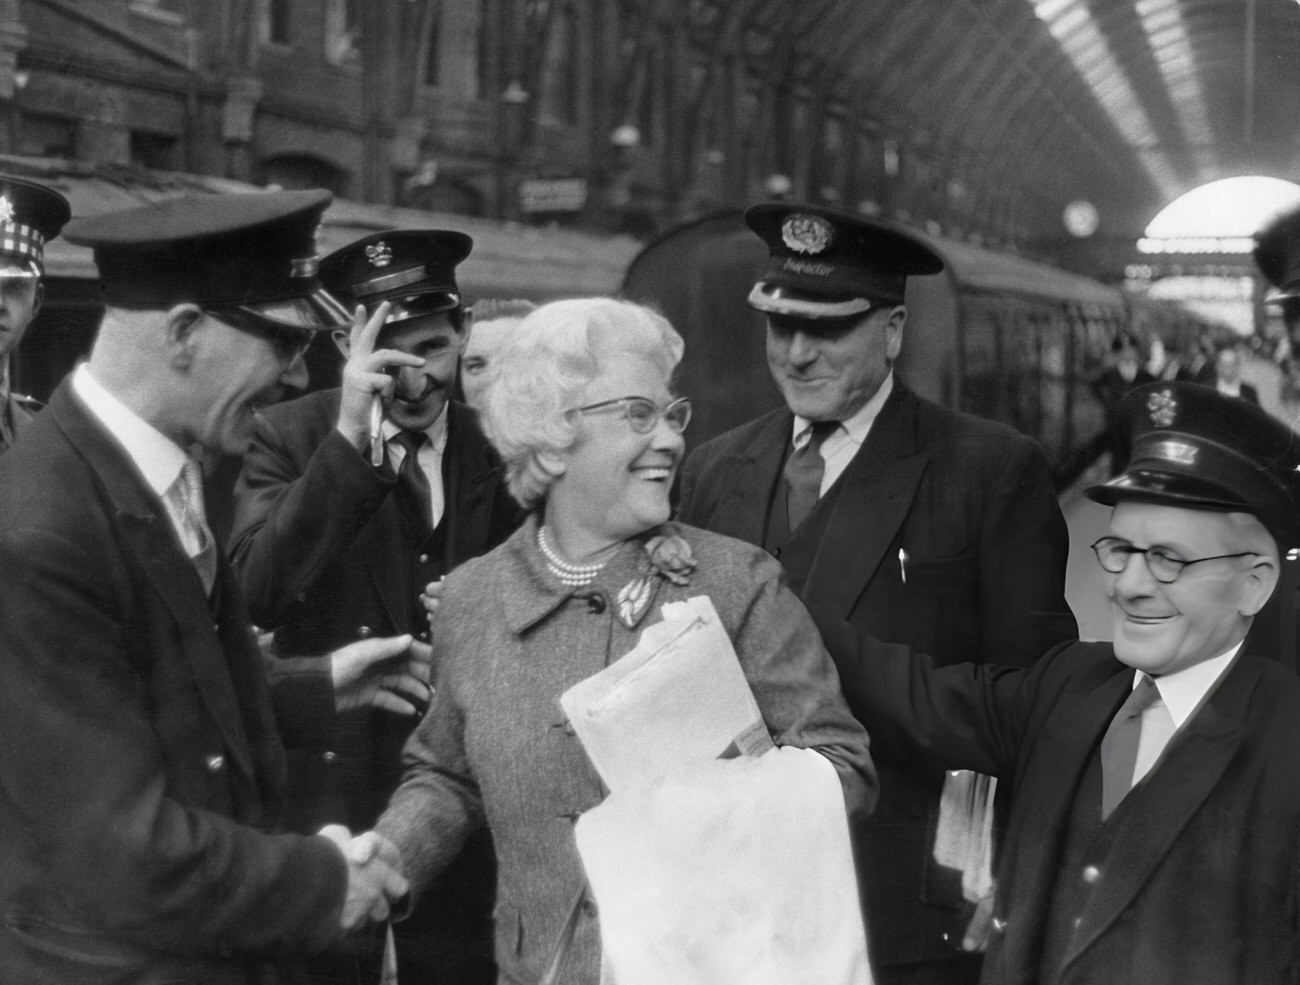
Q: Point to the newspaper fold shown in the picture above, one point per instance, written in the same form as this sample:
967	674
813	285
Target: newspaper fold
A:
678	696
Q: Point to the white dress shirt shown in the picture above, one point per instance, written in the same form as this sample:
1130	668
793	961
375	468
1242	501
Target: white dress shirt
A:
159	459
431	453
843	443
1182	694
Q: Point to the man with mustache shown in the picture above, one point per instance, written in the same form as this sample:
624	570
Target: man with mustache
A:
140	759
333	548
907	520
1154	825
30	216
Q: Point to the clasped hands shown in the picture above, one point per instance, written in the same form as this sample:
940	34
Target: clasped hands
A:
375	879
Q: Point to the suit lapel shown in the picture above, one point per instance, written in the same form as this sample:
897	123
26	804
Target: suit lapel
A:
751	474
146	533
1045	795
1167	800
875	495
469	481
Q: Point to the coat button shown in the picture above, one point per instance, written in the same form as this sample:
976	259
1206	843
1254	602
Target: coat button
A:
424	559
424	635
215	763
1091	874
596	604
329	757
363	631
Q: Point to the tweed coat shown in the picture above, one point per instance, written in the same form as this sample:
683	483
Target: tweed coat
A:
970	504
1194	880
496	747
140	764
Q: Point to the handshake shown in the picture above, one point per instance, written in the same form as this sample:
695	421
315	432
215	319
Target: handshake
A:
375	880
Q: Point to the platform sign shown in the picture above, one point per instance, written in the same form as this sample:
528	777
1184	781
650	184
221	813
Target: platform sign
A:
538	195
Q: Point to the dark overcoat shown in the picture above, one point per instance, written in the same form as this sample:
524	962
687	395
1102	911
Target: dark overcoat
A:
140	767
943	534
1194	880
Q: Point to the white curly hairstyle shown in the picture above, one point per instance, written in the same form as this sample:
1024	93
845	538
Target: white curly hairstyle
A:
546	364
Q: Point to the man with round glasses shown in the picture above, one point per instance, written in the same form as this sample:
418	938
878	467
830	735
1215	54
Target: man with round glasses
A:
1154	827
351	503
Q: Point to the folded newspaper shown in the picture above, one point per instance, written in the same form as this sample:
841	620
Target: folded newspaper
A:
678	696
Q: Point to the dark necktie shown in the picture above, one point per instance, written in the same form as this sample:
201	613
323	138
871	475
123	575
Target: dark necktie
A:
804	470
1119	747
414	484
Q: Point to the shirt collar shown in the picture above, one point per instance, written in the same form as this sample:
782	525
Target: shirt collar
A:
856	427
437	431
159	459
1183	691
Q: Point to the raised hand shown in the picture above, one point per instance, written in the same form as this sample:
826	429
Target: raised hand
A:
389	672
366	373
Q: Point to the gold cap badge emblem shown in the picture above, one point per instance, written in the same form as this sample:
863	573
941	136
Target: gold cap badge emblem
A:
807	233
379	254
1162	407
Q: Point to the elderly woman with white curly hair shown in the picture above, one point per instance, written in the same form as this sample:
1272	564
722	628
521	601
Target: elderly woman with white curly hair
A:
581	410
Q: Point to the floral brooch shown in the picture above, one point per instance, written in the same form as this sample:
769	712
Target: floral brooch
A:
667	556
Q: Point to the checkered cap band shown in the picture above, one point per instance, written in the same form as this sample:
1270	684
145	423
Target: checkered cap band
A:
23	241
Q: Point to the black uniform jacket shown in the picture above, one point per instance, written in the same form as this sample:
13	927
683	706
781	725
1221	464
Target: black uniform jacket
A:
1194	880
944	534
322	550
140	766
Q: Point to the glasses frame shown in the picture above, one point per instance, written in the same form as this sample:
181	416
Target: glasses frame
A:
289	344
625	405
1180	565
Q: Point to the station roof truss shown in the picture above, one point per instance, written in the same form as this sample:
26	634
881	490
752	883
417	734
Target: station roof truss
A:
1024	106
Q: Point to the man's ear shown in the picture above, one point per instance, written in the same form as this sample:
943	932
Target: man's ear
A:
894	331
342	339
183	323
1258	584
38	297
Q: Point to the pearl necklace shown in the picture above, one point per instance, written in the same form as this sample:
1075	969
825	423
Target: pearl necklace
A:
570	575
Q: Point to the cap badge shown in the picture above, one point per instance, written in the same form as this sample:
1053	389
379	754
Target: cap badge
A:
1162	407
6	209
1178	452
379	254
807	233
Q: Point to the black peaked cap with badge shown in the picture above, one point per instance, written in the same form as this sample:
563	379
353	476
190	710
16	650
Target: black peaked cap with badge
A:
827	263
1195	448
1277	251
414	270
253	253
30	216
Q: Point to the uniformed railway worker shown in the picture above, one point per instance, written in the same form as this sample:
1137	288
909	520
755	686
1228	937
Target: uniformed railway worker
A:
1152	837
140	760
333	545
893	517
30	216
